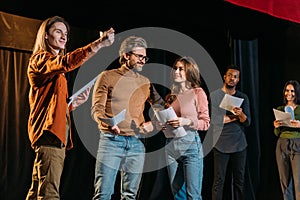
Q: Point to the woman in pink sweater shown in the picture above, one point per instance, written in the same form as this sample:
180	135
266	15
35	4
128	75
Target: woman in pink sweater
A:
184	151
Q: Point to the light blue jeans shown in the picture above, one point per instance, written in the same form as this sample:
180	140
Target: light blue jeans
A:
124	153
185	165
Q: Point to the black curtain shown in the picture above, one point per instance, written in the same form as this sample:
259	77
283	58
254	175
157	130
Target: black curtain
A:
245	55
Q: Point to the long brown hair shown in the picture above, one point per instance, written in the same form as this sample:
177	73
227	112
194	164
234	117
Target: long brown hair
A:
192	77
40	41
192	73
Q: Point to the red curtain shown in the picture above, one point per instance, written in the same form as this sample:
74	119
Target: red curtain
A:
283	9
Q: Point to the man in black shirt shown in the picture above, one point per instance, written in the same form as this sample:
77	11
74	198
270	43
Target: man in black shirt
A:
229	136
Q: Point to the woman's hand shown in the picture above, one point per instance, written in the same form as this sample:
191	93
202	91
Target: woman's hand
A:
277	123
180	121
295	123
157	125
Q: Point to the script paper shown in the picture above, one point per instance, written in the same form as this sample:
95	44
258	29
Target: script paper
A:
114	120
165	115
285	117
81	90
229	102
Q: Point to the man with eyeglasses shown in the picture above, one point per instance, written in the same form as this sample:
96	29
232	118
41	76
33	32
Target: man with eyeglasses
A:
120	148
229	135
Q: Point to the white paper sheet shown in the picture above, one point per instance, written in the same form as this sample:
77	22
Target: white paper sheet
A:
81	90
165	115
229	102
114	120
285	117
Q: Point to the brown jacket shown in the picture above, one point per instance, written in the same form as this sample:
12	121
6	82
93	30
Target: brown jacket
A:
49	92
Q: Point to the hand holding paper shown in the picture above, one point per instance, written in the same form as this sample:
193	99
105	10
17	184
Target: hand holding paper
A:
114	120
116	129
166	114
295	123
81	98
169	114
82	90
229	102
284	117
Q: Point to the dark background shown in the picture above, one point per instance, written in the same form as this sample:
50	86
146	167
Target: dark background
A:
215	25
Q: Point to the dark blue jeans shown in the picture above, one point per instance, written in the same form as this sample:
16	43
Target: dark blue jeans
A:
238	164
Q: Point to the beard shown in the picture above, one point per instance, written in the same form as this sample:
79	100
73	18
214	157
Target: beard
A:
229	86
139	68
135	67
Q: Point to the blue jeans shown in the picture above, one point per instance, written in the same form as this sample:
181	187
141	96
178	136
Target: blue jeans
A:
124	153
185	165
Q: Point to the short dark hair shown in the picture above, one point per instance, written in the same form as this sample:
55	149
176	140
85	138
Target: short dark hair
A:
233	66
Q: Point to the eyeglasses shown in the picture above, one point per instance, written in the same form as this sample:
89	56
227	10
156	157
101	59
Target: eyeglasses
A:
140	57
